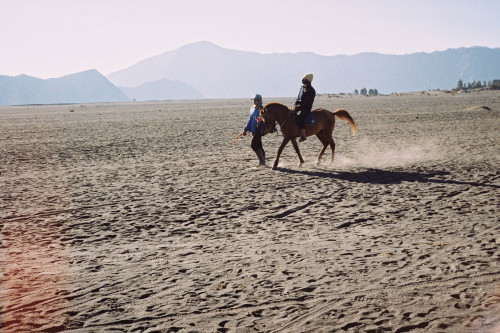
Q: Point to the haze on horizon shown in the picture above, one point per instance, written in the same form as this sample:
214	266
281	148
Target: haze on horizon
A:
52	38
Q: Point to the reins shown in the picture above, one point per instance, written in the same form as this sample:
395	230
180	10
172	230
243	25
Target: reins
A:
285	121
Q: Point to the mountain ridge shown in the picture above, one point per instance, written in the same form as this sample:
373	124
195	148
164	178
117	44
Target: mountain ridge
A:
206	70
218	72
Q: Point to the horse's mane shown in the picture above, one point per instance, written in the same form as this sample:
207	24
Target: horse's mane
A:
276	104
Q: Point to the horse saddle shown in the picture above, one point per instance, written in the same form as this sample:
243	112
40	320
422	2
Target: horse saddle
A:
310	120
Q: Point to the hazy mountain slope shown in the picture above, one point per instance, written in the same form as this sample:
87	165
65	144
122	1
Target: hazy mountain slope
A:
84	87
161	90
218	72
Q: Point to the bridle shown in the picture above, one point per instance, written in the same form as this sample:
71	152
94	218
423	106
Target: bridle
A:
287	118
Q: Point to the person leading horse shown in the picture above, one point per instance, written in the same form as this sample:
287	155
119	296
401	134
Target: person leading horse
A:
254	125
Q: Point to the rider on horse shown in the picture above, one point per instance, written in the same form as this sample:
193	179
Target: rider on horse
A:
303	104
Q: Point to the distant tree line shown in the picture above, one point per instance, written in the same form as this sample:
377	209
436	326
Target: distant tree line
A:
364	92
494	84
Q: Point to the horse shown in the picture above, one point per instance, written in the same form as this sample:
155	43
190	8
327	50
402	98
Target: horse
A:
274	113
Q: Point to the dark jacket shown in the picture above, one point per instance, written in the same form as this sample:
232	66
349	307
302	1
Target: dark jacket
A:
305	99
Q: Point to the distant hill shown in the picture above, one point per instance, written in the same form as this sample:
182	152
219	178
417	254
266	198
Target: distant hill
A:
205	70
85	87
162	90
223	73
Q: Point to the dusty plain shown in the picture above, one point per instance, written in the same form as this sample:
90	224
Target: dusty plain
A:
146	217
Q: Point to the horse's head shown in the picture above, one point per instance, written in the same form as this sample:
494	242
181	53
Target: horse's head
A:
269	119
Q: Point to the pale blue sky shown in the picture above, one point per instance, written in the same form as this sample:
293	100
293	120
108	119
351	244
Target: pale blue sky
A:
52	38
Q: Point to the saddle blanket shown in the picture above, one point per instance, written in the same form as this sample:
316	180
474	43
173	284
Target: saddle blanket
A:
309	119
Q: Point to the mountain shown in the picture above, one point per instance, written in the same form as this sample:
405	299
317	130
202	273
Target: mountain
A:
161	90
223	73
205	70
84	87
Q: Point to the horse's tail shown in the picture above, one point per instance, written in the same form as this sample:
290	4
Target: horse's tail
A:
344	115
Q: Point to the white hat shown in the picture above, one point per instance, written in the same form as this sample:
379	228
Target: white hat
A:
308	77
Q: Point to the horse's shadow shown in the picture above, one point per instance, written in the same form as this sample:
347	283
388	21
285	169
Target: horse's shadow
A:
379	176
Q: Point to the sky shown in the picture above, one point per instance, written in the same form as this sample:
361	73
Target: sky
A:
53	38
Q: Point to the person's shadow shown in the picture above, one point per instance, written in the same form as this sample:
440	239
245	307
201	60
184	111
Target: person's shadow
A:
379	176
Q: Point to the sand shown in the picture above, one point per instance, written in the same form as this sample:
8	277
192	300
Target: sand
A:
145	217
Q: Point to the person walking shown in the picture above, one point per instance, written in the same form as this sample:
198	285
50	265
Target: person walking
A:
254	125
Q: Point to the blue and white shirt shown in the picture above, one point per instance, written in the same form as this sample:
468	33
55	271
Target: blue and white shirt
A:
252	120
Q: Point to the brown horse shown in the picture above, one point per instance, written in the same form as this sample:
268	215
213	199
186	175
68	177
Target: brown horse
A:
274	113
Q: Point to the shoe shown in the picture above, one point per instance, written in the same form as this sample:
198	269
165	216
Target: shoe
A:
302	138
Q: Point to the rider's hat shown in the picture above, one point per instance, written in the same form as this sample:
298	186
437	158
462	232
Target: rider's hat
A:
308	77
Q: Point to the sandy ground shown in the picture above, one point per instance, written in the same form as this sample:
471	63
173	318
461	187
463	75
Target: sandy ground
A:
145	217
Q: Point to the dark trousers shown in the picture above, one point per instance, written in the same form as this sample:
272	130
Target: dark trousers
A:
301	119
256	141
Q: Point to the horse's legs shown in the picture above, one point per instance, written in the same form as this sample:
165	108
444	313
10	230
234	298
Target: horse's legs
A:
296	146
332	145
325	142
280	149
328	139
